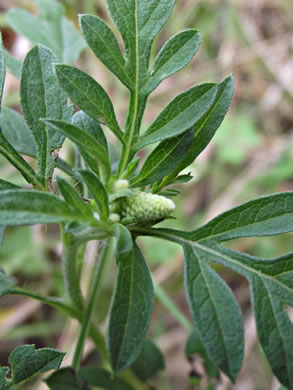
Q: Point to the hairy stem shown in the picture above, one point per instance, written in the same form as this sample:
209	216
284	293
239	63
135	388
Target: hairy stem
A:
70	270
135	114
88	313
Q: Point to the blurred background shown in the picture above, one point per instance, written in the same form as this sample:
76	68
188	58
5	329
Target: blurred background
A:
251	155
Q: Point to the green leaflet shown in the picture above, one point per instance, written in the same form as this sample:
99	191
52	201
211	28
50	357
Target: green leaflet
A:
25	207
264	216
164	159
88	95
139	22
149	361
6	185
2	70
180	114
17	132
72	198
26	362
275	329
50	29
207	126
174	55
215	312
84	140
103	43
130	311
41	97
98	192
83	121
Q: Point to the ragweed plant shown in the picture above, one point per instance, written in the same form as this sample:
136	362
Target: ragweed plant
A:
103	201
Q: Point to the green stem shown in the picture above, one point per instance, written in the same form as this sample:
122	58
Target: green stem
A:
87	315
166	301
57	303
135	114
70	271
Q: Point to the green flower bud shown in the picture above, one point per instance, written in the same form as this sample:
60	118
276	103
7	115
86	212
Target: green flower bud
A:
146	207
114	217
121	185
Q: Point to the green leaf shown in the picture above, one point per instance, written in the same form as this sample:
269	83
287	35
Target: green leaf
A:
2	70
130	312
98	191
271	287
84	140
25	207
89	96
272	290
164	159
194	346
124	243
103	43
18	162
6	185
131	168
174	55
73	43
63	379
83	121
5	383
51	13
215	312
33	28
97	377
27	362
207	126
264	216
17	133
50	29
274	327
180	114
149	362
13	64
72	198
6	282
41	97
139	23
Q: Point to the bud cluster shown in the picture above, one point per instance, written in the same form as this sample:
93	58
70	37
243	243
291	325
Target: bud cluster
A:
146	207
